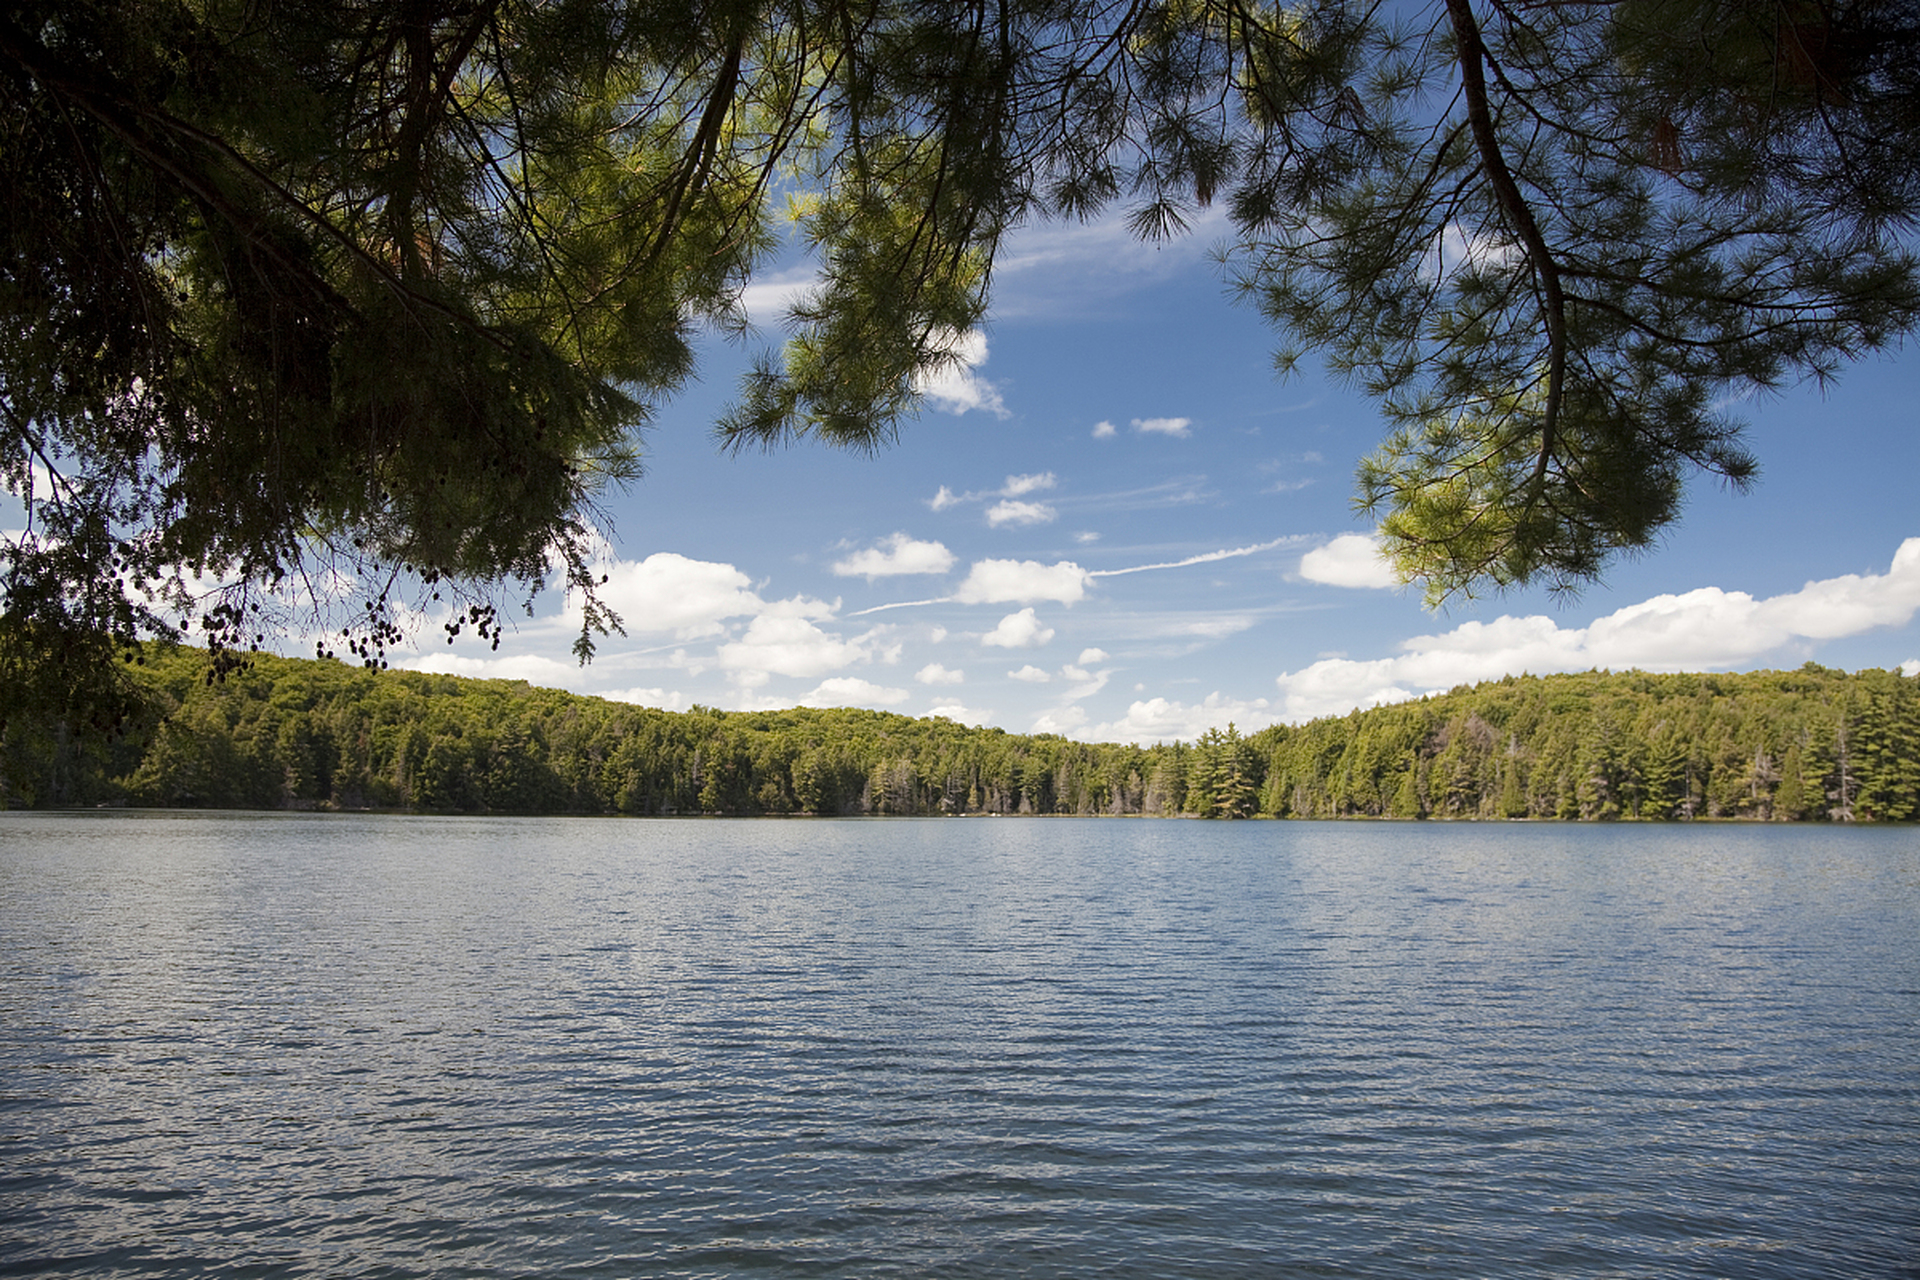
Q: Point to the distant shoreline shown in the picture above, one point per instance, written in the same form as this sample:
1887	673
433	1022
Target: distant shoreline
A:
1811	745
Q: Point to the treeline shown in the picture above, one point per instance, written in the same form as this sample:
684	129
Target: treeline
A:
1806	745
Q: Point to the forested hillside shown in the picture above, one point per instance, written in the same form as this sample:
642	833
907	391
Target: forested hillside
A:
1812	744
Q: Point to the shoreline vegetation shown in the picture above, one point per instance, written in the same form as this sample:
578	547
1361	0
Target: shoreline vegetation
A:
1809	745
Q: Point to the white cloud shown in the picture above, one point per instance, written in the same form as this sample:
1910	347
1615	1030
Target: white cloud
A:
1179	428
1086	538
784	641
664	699
1020	513
1085	683
670	594
1702	629
1350	560
1104	431
956	388
1161	720
901	555
1456	249
850	691
1009	511
769	301
37	480
1030	674
1072	268
1205	557
1090	656
1205	626
1060	720
1022	630
1851	603
960	714
934	673
1016	486
1005	581
1911	667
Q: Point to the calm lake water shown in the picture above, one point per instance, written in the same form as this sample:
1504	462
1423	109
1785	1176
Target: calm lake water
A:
278	1045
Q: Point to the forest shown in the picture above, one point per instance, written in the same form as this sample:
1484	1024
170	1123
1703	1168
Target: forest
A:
1812	744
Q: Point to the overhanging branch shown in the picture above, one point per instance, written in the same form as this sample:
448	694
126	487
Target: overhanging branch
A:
1471	51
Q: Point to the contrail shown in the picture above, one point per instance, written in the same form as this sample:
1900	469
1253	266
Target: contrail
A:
900	604
1207	558
1200	559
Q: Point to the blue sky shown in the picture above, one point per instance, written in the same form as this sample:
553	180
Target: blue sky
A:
1041	550
1117	524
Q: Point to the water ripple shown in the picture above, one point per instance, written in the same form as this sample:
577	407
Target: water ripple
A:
292	1045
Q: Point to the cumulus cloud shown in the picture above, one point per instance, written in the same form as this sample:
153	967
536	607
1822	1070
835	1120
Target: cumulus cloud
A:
1030	674
784	641
1015	487
959	714
1702	629
1060	720
664	699
671	594
1179	428
1009	581
1104	431
1162	720
956	388
893	556
1090	656
1010	511
1084	683
1019	485
1019	514
770	301
851	691
934	673
1456	249
1350	560
1022	630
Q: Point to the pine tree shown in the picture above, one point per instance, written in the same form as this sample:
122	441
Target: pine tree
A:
387	290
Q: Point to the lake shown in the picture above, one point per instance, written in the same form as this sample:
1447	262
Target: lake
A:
333	1045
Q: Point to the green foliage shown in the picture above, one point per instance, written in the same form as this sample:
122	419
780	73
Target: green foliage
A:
340	308
1222	775
1622	217
1596	747
1771	746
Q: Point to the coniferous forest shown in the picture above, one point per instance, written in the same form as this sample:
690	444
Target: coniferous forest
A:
1812	744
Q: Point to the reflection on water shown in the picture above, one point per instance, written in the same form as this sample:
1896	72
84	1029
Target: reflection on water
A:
325	1045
